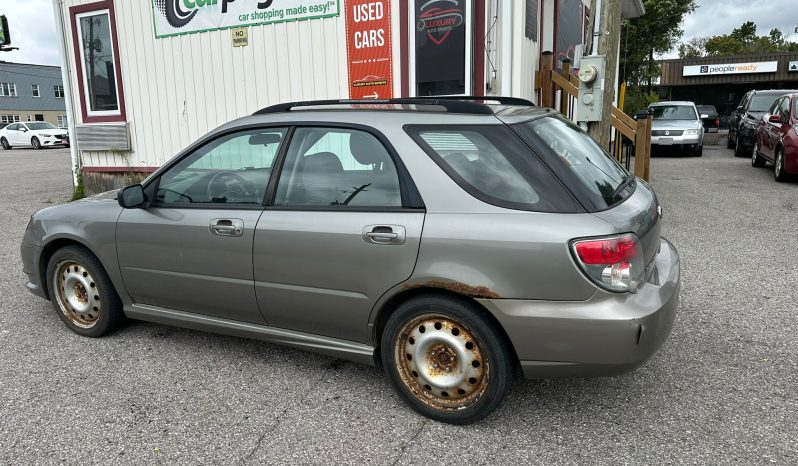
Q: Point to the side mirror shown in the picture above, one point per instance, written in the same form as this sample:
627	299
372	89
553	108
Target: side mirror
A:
740	109
704	116
23	129
775	119
131	197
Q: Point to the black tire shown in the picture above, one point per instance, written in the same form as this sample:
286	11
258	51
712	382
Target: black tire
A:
36	143
698	152
729	141
779	173
5	144
478	387
738	148
71	263
757	161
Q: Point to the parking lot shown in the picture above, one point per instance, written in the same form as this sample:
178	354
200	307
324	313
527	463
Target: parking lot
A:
721	390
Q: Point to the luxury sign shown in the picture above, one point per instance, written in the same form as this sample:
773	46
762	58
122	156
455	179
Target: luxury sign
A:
173	17
731	68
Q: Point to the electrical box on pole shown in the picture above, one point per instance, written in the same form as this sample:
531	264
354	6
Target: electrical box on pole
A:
590	103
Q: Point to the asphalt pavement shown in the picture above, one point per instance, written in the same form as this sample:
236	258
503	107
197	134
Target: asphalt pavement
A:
722	390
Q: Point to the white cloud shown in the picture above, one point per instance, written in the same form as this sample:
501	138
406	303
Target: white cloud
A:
32	25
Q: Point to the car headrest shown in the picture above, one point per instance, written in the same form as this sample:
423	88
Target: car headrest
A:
322	162
366	149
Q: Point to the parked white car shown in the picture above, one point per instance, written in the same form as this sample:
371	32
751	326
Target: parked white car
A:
36	134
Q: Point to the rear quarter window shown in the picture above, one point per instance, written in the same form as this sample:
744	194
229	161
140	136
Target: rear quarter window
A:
491	163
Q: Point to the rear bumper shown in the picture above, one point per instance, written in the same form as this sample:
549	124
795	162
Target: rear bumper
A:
608	334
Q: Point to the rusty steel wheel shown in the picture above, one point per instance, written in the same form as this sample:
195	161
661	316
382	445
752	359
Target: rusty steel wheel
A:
77	294
447	358
440	361
82	293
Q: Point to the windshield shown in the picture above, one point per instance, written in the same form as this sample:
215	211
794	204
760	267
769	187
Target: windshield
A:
593	175
39	126
762	102
673	112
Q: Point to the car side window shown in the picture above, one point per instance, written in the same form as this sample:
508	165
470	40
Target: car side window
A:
13	127
774	109
233	169
337	168
784	109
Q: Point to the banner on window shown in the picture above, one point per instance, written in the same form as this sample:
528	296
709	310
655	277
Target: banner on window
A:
174	17
368	46
440	46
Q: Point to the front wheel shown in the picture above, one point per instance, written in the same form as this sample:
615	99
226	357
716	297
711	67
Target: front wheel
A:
36	143
756	159
5	144
729	141
447	359
778	167
738	148
82	294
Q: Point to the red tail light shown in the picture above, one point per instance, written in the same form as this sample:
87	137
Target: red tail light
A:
614	263
717	121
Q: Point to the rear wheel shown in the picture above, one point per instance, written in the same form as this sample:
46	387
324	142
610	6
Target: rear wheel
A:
5	144
447	359
82	294
756	159
778	167
35	143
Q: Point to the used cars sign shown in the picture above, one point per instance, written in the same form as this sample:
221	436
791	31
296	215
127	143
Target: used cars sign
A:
730	68
174	17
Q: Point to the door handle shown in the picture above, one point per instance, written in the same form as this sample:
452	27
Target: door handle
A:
227	227
384	234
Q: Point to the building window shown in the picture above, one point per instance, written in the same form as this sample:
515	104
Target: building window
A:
531	20
8	119
59	91
96	56
35	90
442	47
30	118
62	121
8	90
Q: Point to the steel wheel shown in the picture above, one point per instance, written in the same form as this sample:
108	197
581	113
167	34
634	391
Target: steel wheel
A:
76	294
441	362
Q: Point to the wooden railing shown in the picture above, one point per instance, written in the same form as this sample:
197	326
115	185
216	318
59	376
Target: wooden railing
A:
559	90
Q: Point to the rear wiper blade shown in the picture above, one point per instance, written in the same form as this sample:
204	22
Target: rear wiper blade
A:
626	183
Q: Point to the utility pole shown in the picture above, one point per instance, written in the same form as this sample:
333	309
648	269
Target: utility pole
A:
609	38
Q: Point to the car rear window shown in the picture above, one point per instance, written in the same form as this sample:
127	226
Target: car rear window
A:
597	180
492	164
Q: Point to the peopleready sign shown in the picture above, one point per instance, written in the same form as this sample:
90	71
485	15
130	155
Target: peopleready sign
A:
731	68
174	17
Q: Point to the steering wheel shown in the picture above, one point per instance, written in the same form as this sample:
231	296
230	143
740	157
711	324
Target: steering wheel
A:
231	186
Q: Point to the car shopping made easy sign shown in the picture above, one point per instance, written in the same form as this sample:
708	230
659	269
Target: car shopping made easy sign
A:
174	17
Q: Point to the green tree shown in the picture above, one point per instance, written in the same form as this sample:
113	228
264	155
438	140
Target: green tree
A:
742	40
654	33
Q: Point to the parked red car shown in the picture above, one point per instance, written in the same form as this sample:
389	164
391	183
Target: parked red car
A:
776	138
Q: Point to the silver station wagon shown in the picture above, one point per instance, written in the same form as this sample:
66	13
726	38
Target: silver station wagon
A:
454	242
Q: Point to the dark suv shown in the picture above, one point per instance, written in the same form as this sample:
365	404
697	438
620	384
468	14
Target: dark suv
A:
745	118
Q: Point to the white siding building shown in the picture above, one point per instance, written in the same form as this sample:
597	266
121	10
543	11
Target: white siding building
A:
144	78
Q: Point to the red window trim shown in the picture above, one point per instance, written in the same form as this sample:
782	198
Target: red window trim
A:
87	8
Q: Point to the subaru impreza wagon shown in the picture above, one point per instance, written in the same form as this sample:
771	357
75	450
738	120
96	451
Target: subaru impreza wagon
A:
453	242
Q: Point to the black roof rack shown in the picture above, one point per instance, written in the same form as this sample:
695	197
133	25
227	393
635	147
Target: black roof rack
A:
452	104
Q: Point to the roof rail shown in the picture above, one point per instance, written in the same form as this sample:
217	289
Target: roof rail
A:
452	104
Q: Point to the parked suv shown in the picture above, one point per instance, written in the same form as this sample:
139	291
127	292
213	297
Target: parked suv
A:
676	125
745	119
447	240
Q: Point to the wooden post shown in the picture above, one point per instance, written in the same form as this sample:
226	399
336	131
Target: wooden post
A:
608	44
546	85
643	147
565	98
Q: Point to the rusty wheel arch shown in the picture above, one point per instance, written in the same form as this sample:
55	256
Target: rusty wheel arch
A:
408	293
